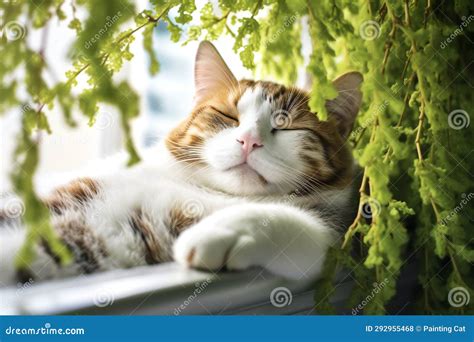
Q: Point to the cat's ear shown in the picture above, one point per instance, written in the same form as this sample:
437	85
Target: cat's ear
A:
344	108
211	73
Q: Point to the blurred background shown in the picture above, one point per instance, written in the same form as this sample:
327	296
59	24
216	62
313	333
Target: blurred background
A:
165	99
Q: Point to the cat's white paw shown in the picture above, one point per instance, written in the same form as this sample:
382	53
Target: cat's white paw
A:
211	247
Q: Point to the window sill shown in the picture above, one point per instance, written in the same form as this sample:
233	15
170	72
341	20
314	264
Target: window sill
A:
166	289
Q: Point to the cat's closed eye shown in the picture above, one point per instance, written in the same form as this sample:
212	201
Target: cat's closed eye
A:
275	130
225	115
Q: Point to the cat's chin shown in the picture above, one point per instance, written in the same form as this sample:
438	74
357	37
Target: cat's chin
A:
245	172
241	179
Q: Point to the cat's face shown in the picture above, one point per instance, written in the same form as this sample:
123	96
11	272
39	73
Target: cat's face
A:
254	137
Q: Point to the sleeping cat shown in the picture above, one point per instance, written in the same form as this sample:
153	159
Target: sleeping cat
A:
250	178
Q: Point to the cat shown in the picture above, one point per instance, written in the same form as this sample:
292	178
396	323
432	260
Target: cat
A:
250	178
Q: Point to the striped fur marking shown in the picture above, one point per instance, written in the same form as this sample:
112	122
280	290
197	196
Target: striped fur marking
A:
178	221
45	246
73	194
155	251
88	248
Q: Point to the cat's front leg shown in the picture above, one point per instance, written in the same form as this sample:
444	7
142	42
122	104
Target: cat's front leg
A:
285	240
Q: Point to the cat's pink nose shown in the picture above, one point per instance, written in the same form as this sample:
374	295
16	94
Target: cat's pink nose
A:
249	142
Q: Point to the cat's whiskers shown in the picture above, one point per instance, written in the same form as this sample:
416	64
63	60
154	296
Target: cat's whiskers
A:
300	180
281	164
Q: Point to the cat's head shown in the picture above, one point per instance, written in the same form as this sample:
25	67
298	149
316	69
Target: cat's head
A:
258	137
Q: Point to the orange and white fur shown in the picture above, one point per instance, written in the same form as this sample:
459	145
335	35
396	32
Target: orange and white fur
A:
250	178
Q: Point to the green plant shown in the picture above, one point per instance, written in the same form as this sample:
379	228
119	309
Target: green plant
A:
412	139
